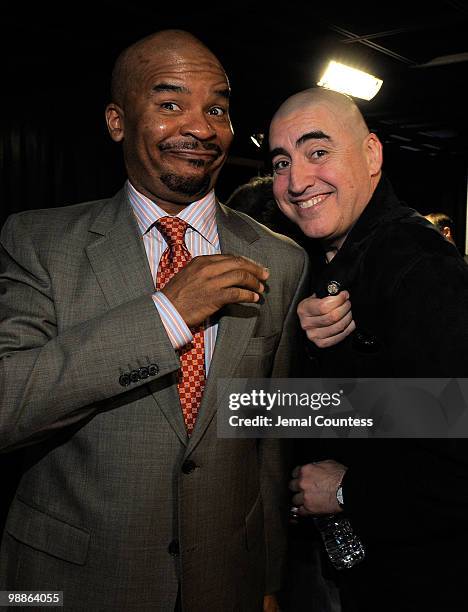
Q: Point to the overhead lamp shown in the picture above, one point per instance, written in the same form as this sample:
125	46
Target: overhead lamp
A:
351	81
408	148
257	139
398	137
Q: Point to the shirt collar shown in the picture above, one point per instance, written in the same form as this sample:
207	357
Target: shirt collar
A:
200	215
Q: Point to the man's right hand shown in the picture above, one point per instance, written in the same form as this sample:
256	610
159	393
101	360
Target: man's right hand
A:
209	282
326	321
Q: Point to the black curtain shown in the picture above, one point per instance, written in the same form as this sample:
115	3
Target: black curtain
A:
54	153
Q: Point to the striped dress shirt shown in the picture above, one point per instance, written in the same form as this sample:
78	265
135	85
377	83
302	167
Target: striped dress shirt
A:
201	238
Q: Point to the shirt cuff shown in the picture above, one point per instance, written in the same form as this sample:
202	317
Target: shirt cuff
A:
176	328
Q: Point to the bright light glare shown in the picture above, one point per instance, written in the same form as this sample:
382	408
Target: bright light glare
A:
257	139
351	81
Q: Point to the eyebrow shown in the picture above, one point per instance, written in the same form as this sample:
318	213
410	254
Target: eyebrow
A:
314	135
225	93
170	87
278	151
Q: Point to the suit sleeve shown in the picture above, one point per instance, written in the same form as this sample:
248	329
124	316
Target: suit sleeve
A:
429	327
418	488
420	493
50	380
275	453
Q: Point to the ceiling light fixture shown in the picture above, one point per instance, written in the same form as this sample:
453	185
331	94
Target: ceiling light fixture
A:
351	81
408	148
257	139
398	137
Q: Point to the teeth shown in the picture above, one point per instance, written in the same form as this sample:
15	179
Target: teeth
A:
312	202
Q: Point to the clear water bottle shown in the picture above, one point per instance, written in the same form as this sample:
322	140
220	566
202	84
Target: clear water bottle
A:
343	546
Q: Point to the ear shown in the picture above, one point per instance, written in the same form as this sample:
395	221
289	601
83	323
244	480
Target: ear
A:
373	150
115	122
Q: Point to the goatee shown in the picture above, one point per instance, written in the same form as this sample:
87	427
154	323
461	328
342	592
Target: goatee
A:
185	185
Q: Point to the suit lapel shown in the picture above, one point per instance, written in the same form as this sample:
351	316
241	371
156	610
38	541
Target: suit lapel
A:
118	258
117	255
236	322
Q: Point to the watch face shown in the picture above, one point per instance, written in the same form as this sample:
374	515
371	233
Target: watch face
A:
339	496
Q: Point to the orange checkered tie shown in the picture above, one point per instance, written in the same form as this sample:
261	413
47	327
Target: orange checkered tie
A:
191	380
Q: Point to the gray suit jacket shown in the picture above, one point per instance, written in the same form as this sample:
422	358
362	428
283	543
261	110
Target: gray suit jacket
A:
116	506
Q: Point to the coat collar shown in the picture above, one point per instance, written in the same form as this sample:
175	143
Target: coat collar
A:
384	206
117	253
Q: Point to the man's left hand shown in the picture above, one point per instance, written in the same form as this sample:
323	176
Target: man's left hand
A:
315	486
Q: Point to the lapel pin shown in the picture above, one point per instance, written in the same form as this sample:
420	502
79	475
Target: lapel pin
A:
333	287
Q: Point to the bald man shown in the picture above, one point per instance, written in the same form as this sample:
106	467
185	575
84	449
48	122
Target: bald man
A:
123	321
408	288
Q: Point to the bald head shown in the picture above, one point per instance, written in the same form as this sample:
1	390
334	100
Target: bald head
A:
338	104
130	66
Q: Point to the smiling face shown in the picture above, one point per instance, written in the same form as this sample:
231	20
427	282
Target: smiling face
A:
174	123
326	164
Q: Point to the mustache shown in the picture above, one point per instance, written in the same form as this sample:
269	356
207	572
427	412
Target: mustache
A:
189	145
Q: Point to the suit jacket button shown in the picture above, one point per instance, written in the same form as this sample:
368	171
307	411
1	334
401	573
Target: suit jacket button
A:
173	548
144	373
124	380
153	369
134	376
188	466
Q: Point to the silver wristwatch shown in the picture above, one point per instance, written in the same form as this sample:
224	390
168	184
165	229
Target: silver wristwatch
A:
339	497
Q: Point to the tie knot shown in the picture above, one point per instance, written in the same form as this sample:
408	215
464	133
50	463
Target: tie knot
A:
173	229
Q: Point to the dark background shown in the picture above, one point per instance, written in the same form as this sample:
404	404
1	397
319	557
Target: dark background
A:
54	147
57	60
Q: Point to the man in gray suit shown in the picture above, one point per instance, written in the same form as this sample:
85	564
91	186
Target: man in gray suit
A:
123	504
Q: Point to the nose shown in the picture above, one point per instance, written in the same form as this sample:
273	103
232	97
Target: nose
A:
301	177
197	124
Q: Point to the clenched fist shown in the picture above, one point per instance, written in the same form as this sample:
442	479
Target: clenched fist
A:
327	320
209	282
315	486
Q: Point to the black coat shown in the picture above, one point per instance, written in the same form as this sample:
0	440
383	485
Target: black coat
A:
408	499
